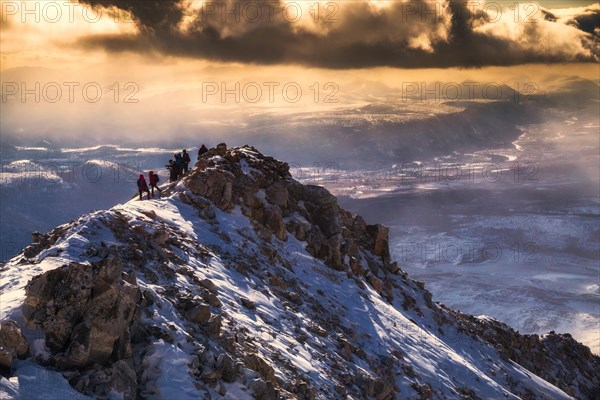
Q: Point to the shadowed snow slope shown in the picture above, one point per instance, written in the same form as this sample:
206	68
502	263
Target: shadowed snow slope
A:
242	283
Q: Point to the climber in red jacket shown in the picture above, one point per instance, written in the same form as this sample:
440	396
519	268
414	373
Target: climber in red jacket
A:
154	179
143	186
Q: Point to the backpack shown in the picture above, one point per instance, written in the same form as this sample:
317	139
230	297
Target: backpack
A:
156	178
186	158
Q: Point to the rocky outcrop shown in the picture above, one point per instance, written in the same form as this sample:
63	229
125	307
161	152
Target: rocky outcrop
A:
12	343
87	312
556	358
265	191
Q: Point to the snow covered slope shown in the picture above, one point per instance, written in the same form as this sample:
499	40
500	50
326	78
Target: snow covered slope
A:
38	195
242	283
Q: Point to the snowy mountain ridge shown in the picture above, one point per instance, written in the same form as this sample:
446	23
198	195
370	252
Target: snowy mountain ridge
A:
240	282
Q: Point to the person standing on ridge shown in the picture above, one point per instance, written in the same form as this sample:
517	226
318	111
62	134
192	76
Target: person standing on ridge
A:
172	171
186	161
202	150
143	186
154	179
179	163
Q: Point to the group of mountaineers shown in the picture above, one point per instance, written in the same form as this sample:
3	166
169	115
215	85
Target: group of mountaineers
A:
177	169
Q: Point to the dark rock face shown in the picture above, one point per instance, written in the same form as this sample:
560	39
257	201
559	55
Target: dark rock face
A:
87	313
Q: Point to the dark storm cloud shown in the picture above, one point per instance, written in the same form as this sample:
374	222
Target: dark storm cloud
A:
549	16
362	36
159	14
588	21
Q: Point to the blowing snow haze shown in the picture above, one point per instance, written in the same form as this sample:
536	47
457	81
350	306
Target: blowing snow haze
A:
371	143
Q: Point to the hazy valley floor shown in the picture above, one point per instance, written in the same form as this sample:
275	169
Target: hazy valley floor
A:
514	237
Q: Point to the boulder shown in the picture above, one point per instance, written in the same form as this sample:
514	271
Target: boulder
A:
12	339
161	236
209	285
258	364
375	282
6	357
221	149
213	326
383	389
216	186
212	299
249	304
380	235
226	367
119	377
273	220
86	311
251	200
298	228
277	194
262	390
199	313
56	301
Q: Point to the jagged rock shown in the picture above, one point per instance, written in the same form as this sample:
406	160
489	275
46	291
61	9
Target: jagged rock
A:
292	296
209	285
278	194
213	326
199	313
161	237
6	357
221	149
275	281
346	348
226	196
375	282
251	200
383	389
209	375
119	377
262	390
380	235
39	241
298	228
428	298
273	219
56	301
265	190
212	299
226	367
249	304
86	312
216	187
12	341
256	363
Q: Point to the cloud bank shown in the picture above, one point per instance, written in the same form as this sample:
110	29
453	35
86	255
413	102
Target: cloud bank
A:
354	34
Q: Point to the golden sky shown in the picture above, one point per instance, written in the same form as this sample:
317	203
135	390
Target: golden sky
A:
155	61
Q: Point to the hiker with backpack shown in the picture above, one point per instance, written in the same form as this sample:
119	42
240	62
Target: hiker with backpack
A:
179	163
173	171
142	186
202	150
186	161
154	179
